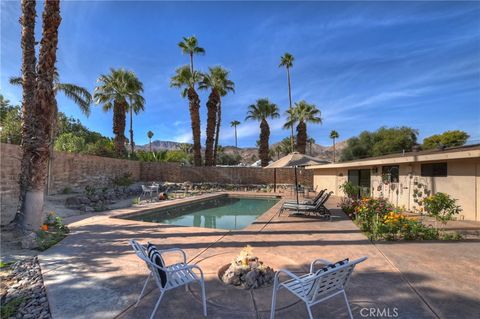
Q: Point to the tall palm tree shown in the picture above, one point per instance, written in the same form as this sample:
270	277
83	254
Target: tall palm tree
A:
287	61
77	94
136	101
310	142
29	74
150	135
234	124
115	91
334	135
262	110
217	80
302	113
40	107
186	80
189	46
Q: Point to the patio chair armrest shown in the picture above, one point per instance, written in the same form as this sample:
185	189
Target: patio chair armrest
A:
175	250
288	273
323	261
186	267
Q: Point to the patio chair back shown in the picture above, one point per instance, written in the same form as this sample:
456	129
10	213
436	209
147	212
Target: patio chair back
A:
322	200
327	282
318	196
141	252
145	189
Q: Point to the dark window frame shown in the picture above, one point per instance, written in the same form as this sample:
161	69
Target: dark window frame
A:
438	169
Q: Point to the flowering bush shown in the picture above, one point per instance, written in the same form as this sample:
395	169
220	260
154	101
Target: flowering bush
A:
51	232
441	206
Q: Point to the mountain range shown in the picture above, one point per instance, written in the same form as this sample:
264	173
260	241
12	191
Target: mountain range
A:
250	154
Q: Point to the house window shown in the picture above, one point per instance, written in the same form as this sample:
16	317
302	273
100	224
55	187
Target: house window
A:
434	169
390	173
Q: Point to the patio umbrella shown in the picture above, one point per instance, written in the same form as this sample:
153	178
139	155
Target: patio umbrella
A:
294	160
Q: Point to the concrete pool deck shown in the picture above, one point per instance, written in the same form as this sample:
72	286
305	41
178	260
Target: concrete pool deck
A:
93	273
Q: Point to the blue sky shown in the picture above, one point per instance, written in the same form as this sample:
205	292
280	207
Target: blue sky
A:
364	64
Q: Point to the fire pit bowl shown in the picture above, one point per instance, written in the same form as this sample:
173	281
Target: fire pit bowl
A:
246	271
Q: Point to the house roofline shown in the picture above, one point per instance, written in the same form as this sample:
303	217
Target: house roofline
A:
411	157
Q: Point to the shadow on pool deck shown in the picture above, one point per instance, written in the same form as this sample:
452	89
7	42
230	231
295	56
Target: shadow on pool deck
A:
93	273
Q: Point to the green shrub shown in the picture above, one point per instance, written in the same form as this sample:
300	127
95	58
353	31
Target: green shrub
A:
10	308
441	206
67	190
70	142
352	191
51	232
124	180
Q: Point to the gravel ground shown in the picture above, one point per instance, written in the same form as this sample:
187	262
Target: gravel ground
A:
23	281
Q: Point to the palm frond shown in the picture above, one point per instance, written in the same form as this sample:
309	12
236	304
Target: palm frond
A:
15	80
77	94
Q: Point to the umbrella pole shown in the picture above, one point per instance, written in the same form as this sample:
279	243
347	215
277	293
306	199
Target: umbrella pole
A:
274	180
296	183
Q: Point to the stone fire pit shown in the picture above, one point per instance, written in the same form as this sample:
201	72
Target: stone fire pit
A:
246	271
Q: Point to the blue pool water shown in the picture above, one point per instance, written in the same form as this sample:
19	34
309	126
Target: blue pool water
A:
222	212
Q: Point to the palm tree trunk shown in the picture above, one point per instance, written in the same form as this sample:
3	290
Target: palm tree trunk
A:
211	120
334	150
290	102
236	145
45	110
301	137
264	137
150	142
28	120
194	106
217	131
132	144
119	127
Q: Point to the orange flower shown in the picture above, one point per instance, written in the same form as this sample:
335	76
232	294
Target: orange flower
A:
44	227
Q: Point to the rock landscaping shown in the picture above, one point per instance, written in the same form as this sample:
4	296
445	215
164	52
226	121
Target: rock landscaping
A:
247	271
22	291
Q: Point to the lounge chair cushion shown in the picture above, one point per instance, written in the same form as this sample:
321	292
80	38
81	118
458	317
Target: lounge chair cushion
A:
156	258
332	266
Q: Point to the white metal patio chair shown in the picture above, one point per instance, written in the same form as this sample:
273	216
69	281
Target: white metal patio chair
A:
146	190
316	286
168	277
155	187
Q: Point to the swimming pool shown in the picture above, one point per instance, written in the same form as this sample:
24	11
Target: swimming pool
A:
227	212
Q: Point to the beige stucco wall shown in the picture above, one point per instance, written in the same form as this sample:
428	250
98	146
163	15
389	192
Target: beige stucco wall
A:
462	183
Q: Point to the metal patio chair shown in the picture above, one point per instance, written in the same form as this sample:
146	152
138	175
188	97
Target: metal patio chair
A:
146	190
168	277
317	286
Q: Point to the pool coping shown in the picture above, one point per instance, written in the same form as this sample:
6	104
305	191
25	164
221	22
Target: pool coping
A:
264	218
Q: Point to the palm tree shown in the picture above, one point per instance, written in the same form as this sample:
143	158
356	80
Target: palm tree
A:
227	86
150	135
310	142
302	113
117	90
189	46
334	135
234	124
287	61
186	80
262	110
39	111
217	80
135	99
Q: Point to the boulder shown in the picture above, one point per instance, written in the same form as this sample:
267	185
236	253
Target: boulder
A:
29	241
